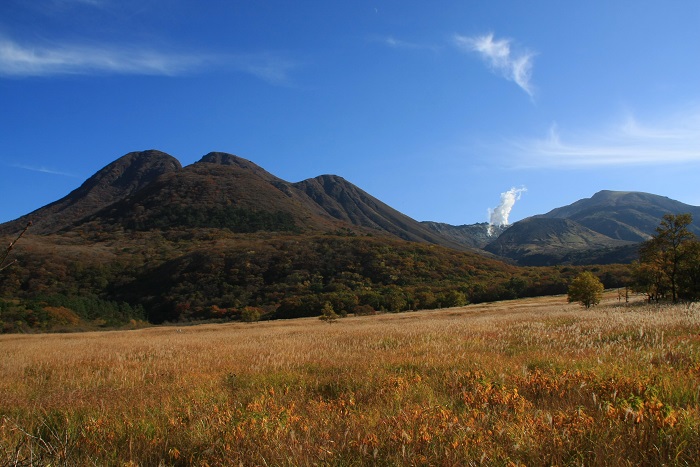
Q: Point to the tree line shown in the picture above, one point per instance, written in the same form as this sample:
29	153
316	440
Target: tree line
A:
208	274
668	267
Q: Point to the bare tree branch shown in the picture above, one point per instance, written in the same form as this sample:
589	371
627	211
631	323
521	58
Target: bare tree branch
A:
9	248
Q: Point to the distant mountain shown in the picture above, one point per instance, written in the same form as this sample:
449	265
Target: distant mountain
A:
603	229
473	235
121	178
544	242
624	215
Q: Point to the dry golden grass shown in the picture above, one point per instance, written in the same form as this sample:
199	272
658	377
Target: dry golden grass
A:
534	382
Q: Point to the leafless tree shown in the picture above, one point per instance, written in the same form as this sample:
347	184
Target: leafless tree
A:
9	248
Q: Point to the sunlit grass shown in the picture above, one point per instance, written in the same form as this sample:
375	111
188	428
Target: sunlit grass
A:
529	382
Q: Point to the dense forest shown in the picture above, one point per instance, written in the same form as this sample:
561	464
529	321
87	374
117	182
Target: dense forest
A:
87	279
147	241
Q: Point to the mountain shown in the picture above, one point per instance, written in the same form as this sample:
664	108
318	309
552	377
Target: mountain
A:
147	238
151	190
624	215
219	191
472	235
603	229
539	241
346	202
121	178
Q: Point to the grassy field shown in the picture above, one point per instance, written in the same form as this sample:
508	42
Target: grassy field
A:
534	382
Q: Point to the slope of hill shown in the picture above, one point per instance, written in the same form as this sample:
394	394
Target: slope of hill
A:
116	181
624	215
219	191
147	238
543	242
346	202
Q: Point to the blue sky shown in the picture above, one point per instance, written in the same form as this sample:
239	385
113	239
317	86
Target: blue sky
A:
435	108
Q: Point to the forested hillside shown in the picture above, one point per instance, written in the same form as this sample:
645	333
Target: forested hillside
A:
146	240
198	274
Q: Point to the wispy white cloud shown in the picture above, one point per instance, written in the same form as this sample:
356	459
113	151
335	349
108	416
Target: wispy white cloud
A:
21	60
627	143
92	3
44	169
26	60
269	67
515	66
395	43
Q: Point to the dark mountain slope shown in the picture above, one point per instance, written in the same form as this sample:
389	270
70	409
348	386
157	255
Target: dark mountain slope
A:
113	183
624	215
220	191
150	190
540	241
245	166
346	202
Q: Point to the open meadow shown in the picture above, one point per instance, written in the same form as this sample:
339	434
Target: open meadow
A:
533	381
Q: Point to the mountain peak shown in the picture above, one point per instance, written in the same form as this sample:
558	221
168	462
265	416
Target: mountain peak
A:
231	160
132	171
110	184
624	215
224	158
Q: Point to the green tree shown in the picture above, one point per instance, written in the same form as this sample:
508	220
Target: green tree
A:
666	256
649	278
586	289
328	314
689	274
250	314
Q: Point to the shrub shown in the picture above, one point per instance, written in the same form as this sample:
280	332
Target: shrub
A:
250	314
586	289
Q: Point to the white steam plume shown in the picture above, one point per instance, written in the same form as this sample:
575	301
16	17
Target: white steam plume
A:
499	215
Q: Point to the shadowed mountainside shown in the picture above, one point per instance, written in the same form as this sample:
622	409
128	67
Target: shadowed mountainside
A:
151	190
346	202
121	178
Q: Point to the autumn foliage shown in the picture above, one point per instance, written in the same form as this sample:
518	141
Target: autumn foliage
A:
109	279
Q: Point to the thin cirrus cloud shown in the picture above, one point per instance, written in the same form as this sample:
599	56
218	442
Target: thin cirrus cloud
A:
630	143
18	60
92	3
45	170
395	43
512	65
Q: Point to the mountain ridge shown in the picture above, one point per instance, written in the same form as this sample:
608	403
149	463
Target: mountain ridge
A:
146	237
150	189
